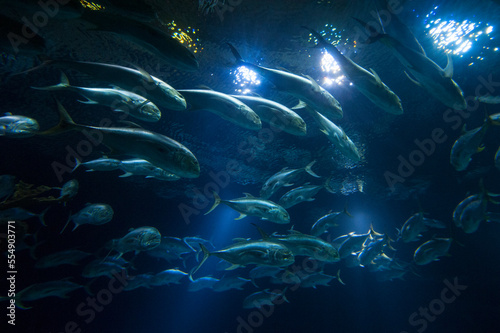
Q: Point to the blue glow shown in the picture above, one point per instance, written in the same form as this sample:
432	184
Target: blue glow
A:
245	78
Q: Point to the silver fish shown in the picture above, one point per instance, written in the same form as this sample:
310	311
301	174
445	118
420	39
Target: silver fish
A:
138	281
21	214
100	164
299	194
95	214
140	167
327	221
18	126
284	177
249	205
168	276
69	189
228	283
119	100
206	282
265	297
368	83
430	251
157	149
98	267
225	106
139	239
411	229
275	114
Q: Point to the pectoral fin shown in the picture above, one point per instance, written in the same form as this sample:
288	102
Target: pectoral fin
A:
242	216
448	71
413	80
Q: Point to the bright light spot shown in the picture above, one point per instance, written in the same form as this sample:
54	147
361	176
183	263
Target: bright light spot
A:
328	64
245	77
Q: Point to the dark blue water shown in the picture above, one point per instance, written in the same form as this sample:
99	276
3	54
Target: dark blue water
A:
458	293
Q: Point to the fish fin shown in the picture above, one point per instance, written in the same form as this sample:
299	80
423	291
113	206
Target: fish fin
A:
76	226
315	84
77	164
248	195
480	148
413	80
143	72
377	78
65	122
323	131
284	69
288	184
262	233
328	186
69	219
242	216
126	174
88	101
21	305
309	170
300	105
448	70
216	203
60	86
130	124
204	87
338	277
41	216
346	212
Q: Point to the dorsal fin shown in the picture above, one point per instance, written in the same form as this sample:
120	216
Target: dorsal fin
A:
262	233
376	75
448	70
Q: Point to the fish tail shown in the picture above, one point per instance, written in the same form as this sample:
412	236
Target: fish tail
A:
77	164
69	219
373	32
494	119
346	212
216	203
236	54
65	122
60	86
309	170
327	185
338	277
206	254
45	62
283	294
41	216
373	232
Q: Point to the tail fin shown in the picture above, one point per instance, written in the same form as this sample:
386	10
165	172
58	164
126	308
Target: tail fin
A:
77	164
69	219
45	62
41	216
61	86
65	122
206	254
327	185
216	203
346	212
236	54
309	170
338	277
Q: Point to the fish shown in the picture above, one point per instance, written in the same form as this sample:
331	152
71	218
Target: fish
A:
156	148
138	281
303	88
264	271
473	214
337	136
265	297
167	276
140	167
21	214
380	263
284	177
228	283
95	214
59	288
225	106
300	194
261	252
304	245
18	126
134	80
7	186
470	143
249	205
137	240
426	73
372	250
367	82
68	257
431	250
412	228
327	221
354	243
69	189
195	241
457	212
275	114
117	99
317	279
206	282
157	42
101	164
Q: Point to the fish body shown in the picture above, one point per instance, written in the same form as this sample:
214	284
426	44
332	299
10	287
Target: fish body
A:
371	251
95	214
307	245
284	177
59	288
206	282
304	88
472	216
327	221
98	267
299	194
137	81
249	205
18	126
337	136
457	213
436	81
317	279
100	164
261	298
411	229
430	251
157	149
225	106
140	167
21	214
467	145
352	244
119	100
167	277
139	239
69	189
138	281
275	114
368	83
68	257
